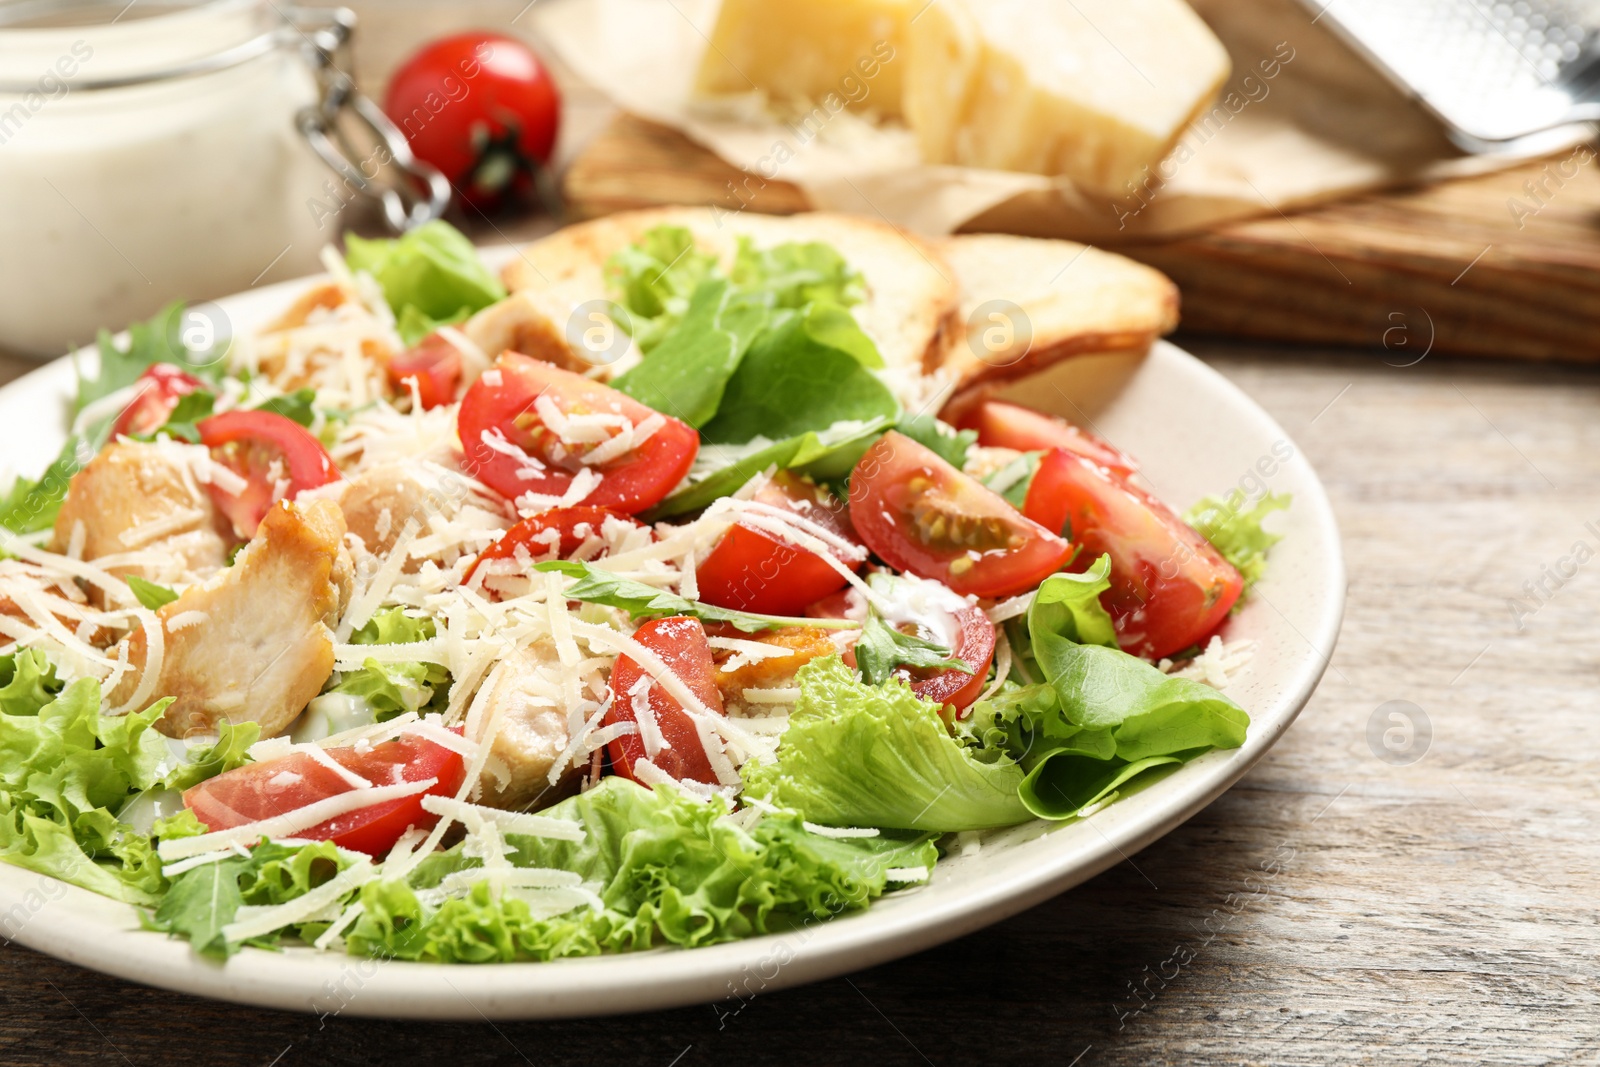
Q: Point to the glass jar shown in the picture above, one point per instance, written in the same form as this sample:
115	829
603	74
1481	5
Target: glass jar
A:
158	152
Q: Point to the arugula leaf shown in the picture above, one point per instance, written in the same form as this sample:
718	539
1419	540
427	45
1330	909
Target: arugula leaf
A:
882	650
295	405
655	278
430	276
181	422
30	506
641	601
1013	480
1236	531
207	898
946	441
798	274
148	593
825	457
668	870
687	372
156	340
392	689
790	383
860	755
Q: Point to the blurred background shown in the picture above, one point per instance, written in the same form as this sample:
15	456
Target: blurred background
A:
1394	177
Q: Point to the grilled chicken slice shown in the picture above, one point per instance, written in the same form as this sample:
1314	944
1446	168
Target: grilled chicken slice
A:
381	500
143	498
255	642
529	733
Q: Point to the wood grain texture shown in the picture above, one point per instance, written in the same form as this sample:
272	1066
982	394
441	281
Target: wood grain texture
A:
1330	909
1346	273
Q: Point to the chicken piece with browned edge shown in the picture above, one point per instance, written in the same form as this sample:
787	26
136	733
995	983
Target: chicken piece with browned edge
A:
254	642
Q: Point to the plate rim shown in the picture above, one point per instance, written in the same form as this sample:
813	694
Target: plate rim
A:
660	978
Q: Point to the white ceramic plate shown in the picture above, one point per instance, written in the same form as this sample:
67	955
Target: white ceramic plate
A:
1195	433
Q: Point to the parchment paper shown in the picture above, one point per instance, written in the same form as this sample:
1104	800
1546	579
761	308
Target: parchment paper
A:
1322	124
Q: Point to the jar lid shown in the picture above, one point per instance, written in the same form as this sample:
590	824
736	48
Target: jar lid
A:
137	44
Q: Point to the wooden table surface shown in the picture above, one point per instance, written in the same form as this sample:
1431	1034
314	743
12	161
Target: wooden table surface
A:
1443	911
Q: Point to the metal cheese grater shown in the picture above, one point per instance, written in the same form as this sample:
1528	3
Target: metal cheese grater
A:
1493	72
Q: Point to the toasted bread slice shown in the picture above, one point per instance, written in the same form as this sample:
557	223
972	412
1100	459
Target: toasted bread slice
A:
1026	303
911	292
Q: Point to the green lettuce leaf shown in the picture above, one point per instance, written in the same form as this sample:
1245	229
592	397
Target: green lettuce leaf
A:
688	371
654	279
430	276
668	870
28	682
1236	530
1100	718
793	380
30	505
641	601
1066	611
949	443
826	457
798	274
64	770
392	626
392	689
858	755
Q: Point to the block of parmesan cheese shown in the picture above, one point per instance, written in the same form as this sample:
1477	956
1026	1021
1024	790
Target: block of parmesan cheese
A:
1093	90
839	53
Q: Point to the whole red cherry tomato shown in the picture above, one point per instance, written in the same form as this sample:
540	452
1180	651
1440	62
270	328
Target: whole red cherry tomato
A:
483	109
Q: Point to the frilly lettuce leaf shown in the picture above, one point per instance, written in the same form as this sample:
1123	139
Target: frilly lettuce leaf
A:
1236	530
65	769
429	277
668	869
655	278
28	682
798	273
392	626
859	755
392	689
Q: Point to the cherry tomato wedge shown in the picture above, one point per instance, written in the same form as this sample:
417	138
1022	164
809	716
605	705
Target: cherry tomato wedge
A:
434	365
919	514
760	571
276	456
964	629
259	791
156	393
1003	425
481	108
1169	587
680	642
553	534
508	447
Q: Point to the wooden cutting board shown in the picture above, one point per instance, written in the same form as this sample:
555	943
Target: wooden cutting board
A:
1450	268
